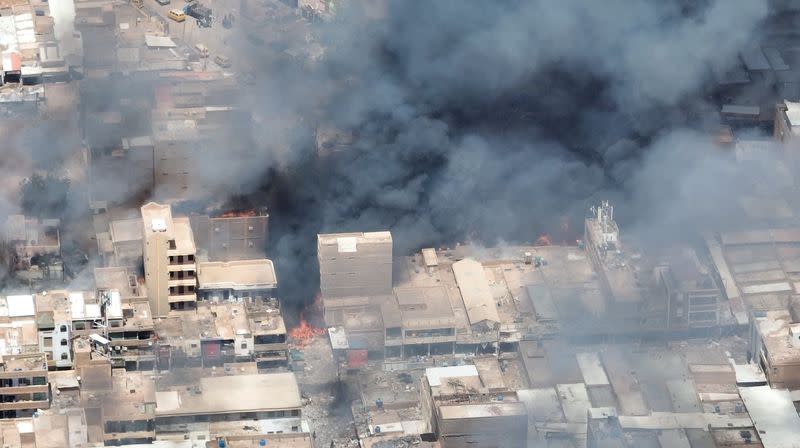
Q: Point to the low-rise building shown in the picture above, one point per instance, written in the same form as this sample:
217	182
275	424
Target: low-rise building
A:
128	409
240	279
270	402
466	407
776	347
36	245
23	385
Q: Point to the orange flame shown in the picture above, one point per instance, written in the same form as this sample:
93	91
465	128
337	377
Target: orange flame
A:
304	333
238	214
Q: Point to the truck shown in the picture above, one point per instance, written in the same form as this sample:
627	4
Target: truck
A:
199	12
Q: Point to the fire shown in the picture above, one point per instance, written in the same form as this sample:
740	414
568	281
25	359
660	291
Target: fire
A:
304	333
238	214
543	240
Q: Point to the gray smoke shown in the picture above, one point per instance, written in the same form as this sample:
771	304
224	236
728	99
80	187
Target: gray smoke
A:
496	120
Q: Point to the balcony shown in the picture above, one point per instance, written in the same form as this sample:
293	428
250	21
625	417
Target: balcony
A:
23	405
177	267
185	297
14	390
186	281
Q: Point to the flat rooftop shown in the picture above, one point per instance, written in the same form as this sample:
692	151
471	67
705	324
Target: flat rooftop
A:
773	414
774	329
126	230
425	307
345	239
239	275
232	394
129	394
483	410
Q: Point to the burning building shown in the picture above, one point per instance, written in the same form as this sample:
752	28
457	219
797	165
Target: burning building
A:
233	235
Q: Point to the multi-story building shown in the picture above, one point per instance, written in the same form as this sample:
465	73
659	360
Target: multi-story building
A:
689	292
23	385
355	272
54	323
616	272
130	333
169	260
232	236
270	345
355	264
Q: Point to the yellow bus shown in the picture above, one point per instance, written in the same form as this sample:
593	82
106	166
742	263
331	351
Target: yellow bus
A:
177	15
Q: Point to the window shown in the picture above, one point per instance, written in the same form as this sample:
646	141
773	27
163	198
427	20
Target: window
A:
40	396
295	412
64	343
64	356
39	381
172	244
190	257
62	328
47	342
244	345
80	325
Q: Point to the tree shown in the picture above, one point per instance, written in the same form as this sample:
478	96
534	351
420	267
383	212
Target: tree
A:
44	196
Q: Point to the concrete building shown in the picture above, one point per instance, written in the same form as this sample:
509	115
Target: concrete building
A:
236	280
169	260
220	333
355	264
423	323
128	409
232	236
131	335
775	344
689	292
270	344
617	273
265	400
470	406
54	323
23	385
32	238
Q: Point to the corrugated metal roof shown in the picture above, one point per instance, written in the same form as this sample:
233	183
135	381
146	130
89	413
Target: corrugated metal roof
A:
475	291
